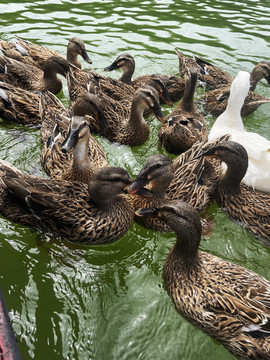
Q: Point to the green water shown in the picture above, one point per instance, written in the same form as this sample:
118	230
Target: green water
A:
109	302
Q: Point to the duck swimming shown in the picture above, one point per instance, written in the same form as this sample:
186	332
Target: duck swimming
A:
94	213
30	77
249	207
37	55
225	300
184	125
257	147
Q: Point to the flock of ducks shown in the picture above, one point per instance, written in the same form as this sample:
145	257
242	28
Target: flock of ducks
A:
85	200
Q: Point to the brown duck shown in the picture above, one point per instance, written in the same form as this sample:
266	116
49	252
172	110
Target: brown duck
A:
174	84
186	178
37	55
225	300
94	213
32	78
184	125
249	207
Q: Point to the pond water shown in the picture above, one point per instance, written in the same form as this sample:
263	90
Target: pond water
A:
109	302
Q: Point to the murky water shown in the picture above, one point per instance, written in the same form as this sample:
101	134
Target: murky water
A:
110	302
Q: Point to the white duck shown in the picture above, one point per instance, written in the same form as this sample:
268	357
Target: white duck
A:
258	147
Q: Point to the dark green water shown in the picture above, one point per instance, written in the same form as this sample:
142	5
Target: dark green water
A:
109	302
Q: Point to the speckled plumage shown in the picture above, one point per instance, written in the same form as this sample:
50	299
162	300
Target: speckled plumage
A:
225	300
186	178
97	213
37	55
250	207
184	125
30	77
174	84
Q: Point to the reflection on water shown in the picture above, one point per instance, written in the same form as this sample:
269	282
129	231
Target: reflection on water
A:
78	302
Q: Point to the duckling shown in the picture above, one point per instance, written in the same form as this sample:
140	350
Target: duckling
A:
73	156
184	125
250	207
32	78
93	214
186	177
230	122
37	55
126	62
225	300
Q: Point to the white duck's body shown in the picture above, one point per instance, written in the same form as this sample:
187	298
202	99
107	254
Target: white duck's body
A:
258	147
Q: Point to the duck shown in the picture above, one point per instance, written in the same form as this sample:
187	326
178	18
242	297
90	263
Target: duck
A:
184	125
215	101
209	75
175	85
95	213
251	208
37	55
32	78
227	301
185	177
72	153
126	123
257	146
82	153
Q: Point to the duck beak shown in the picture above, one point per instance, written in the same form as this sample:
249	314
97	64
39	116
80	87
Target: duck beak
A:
103	121
70	141
158	113
137	187
166	98
112	67
86	57
147	213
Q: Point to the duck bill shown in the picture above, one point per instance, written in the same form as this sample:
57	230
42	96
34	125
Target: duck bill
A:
166	98
147	213
159	114
70	141
111	67
102	119
86	57
137	187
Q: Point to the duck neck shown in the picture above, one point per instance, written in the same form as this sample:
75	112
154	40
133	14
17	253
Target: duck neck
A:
255	77
233	176
136	119
52	82
127	75
187	103
73	58
186	250
80	156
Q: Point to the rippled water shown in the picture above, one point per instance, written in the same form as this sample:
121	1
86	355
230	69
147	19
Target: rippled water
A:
110	302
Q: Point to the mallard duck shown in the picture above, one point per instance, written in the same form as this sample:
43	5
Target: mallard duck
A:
126	123
230	122
72	153
216	100
56	125
37	55
175	85
94	213
184	125
32	78
225	300
186	177
208	74
250	207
